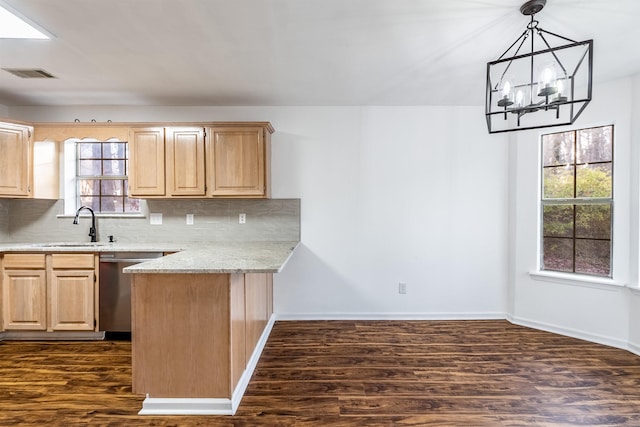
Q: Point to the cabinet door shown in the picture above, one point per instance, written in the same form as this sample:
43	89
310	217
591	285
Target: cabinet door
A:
256	288
15	172
146	162
237	160
25	300
72	300
185	161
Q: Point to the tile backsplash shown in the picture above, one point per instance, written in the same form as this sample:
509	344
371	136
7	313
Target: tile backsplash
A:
31	221
4	219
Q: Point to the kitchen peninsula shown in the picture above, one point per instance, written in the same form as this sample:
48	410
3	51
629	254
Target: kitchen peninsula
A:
200	319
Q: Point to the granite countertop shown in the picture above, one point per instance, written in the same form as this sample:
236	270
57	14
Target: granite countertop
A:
222	257
190	257
97	247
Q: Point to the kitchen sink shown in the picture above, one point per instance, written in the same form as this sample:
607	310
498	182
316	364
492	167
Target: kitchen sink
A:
69	245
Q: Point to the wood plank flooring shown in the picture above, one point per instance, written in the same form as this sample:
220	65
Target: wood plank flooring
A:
348	373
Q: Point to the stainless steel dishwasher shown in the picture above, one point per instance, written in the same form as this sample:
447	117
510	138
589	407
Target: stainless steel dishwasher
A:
115	291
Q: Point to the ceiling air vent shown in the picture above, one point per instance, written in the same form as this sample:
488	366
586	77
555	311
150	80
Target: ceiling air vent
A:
28	73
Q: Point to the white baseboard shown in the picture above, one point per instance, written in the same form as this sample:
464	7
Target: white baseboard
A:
185	406
251	366
634	348
209	406
574	333
391	316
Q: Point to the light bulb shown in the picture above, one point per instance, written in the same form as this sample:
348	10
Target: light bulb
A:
520	98
506	89
547	80
560	96
547	76
506	92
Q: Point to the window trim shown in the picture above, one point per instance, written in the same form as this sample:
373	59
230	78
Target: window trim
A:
576	279
70	185
573	277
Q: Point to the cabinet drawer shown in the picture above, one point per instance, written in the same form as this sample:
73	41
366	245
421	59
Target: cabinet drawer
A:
24	261
60	261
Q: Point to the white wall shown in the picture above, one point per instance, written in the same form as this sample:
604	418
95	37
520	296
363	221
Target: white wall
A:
597	312
389	194
634	297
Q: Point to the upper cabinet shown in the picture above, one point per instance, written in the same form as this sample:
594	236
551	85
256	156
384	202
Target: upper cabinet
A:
27	169
167	162
227	161
146	162
239	162
15	161
181	160
185	161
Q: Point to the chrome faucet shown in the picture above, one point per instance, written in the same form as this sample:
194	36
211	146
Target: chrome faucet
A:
92	230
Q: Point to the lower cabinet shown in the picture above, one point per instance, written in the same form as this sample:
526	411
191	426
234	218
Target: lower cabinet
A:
49	292
73	290
251	307
24	292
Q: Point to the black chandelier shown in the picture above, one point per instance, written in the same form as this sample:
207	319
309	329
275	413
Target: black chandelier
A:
549	86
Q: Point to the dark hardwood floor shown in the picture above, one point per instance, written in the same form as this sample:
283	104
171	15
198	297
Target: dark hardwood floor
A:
347	373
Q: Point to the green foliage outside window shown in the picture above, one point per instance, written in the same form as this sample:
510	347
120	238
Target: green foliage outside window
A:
577	201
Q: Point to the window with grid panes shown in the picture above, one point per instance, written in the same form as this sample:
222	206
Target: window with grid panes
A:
577	201
101	177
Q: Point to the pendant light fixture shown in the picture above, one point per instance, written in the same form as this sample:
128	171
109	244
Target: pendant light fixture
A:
534	84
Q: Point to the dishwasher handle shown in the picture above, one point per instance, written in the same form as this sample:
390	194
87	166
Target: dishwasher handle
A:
129	257
130	260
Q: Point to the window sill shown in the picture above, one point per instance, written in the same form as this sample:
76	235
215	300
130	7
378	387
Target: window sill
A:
576	280
634	289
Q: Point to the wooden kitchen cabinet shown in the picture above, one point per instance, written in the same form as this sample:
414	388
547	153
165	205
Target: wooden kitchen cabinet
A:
49	292
73	292
28	169
15	160
238	161
24	292
146	162
167	162
228	161
258	298
231	161
185	161
200	345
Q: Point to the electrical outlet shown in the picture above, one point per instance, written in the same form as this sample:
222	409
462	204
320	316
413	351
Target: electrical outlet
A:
189	219
242	218
402	288
155	218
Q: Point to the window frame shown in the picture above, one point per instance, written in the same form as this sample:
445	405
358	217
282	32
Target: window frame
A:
574	202
71	184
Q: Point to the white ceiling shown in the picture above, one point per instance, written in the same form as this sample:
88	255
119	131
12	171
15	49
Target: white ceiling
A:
291	52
